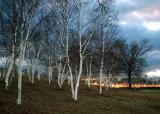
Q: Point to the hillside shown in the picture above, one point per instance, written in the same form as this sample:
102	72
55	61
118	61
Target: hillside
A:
42	98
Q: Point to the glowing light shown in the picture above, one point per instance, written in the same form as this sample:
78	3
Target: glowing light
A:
123	23
125	85
152	26
153	73
94	82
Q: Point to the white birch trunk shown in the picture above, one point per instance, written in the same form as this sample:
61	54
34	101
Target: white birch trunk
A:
33	73
59	71
90	73
87	79
28	63
39	76
78	80
80	56
101	68
9	71
20	73
35	63
19	99
28	72
100	80
20	76
50	73
69	80
11	64
62	75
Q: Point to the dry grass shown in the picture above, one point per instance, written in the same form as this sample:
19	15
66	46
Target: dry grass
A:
42	98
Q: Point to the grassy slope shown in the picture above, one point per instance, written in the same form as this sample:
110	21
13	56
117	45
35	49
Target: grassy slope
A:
42	98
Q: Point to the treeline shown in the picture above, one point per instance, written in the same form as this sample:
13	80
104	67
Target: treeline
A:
70	37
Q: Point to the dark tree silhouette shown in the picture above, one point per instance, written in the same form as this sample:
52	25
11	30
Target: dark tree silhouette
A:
132	58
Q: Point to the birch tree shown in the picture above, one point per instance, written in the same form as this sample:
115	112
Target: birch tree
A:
9	24
20	19
106	30
82	45
63	15
30	8
89	71
37	48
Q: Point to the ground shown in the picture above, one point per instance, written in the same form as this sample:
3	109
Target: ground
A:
42	98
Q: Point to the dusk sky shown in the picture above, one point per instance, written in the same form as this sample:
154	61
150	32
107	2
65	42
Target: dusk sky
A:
140	19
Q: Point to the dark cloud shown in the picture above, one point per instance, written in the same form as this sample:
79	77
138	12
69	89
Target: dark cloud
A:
140	19
125	6
137	32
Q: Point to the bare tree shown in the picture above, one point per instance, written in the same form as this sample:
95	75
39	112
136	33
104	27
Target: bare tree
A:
18	27
106	32
37	45
132	57
89	70
29	7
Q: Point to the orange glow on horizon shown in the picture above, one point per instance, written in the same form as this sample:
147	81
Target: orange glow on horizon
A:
94	82
125	85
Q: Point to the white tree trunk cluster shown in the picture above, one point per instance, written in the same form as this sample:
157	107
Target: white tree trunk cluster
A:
62	74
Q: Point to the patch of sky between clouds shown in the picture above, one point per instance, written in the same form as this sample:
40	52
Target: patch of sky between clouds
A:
154	54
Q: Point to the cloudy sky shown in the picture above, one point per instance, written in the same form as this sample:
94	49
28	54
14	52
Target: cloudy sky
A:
140	19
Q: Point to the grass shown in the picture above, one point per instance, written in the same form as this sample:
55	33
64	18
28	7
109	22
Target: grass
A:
42	98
